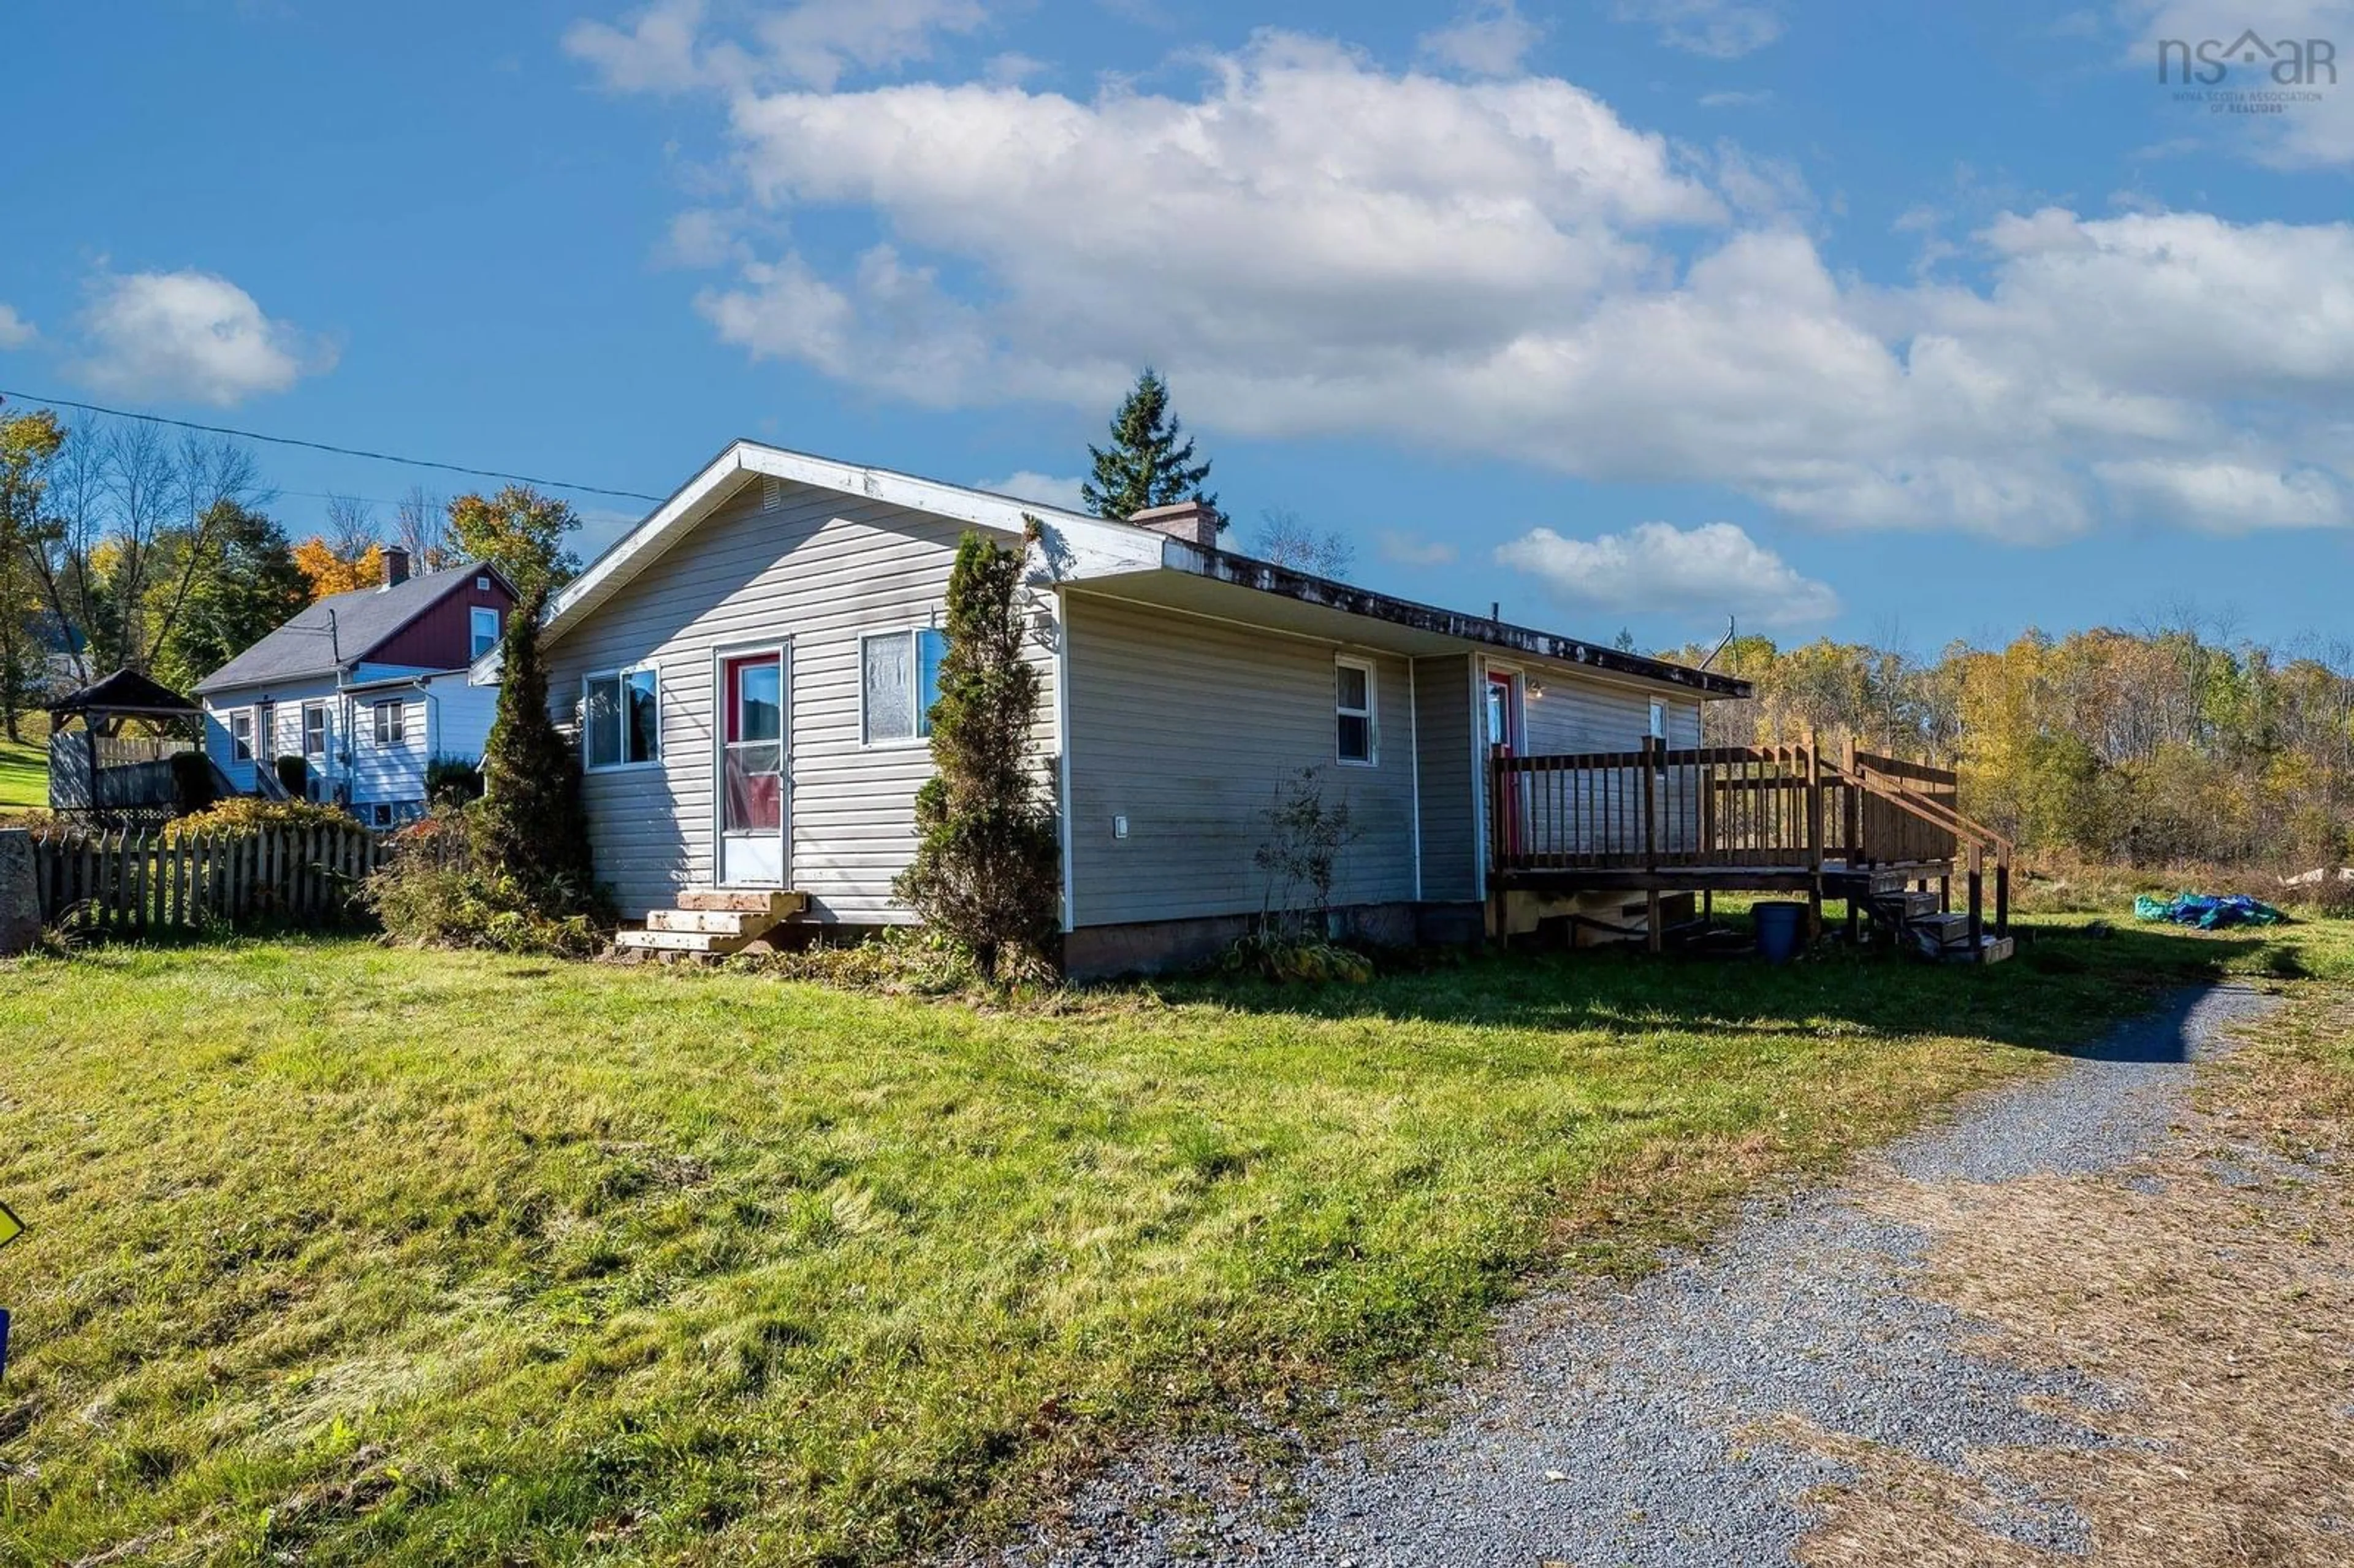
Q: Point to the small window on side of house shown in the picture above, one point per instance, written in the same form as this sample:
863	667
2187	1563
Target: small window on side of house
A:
484	622
1353	703
620	719
314	730
899	679
1659	721
240	737
391	723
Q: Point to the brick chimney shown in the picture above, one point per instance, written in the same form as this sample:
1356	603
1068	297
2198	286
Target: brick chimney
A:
396	565
1194	521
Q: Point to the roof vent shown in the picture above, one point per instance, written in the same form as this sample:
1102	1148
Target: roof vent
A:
772	494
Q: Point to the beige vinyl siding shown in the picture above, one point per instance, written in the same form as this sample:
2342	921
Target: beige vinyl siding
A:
1185	725
816	572
1450	817
1576	713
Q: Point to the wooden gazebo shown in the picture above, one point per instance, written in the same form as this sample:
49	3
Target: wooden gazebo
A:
98	770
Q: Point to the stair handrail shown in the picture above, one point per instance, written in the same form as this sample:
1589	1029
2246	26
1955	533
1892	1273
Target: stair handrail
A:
1934	812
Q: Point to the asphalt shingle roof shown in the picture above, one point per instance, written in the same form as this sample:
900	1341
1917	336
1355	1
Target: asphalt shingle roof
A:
362	619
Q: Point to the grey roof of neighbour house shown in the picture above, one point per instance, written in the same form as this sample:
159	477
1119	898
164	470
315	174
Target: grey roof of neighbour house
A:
338	631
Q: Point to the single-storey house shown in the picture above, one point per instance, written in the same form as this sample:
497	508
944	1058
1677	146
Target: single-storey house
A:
367	687
748	672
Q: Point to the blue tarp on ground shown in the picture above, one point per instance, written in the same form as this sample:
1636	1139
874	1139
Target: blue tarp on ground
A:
2208	913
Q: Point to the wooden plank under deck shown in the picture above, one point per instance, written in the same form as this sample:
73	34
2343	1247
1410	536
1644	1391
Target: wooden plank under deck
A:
1838	881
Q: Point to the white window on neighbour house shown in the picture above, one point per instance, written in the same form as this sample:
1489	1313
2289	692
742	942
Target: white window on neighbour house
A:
484	624
898	681
1659	721
620	719
240	737
1353	738
391	723
315	729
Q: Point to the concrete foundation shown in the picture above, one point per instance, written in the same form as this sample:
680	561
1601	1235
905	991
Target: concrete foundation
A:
1154	947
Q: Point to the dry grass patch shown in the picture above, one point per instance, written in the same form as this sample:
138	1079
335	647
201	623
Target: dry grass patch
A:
2208	1288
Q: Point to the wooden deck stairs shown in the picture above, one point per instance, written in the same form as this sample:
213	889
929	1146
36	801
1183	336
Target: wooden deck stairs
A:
1916	917
710	923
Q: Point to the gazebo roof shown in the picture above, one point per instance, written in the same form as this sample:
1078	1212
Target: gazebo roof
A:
125	694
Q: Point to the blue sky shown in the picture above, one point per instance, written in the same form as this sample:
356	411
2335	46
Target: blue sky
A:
1859	320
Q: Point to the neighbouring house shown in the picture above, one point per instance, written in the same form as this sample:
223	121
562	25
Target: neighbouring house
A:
366	687
747	674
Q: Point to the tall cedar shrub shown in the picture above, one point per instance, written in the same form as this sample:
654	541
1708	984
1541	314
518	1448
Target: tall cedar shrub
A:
988	868
529	823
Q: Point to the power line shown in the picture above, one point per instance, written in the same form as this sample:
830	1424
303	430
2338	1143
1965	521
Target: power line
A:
339	451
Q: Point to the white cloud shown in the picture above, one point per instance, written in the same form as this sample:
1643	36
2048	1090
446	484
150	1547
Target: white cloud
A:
2225	497
1311	245
16	332
1713	569
663	48
1413	550
1489	39
192	335
1721	29
701	238
1046	489
1758	100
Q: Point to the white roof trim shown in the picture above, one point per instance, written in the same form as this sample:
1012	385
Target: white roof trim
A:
1077	544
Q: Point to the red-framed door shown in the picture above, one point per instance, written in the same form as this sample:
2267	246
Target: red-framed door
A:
753	809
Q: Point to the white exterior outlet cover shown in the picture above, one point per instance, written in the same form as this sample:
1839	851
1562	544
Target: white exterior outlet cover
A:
1120	827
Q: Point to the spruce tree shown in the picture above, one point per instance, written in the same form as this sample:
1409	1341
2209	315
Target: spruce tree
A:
1148	463
988	865
531	824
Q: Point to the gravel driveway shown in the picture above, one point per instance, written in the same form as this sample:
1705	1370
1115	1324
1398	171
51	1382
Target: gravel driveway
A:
1641	1426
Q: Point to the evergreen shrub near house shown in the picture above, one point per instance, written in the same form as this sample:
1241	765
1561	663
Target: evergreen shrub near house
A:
452	781
510	870
988	868
293	776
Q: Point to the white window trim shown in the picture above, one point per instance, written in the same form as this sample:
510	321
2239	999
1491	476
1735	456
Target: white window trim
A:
327	731
1368	713
661	740
473	621
1658	720
915	674
247	716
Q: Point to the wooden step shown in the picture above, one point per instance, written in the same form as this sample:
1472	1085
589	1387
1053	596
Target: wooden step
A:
1991	950
709	942
1945	930
777	903
711	922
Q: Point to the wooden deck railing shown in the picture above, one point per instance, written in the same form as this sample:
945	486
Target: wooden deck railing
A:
1788	807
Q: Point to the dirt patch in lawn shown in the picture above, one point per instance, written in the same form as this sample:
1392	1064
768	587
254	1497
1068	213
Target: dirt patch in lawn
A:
2205	1290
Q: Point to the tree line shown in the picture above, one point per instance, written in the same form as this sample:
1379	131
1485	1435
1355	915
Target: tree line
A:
123	545
2173	743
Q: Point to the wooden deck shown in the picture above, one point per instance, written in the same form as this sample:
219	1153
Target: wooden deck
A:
1780	818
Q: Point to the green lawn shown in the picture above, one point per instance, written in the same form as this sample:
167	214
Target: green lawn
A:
24	775
346	1254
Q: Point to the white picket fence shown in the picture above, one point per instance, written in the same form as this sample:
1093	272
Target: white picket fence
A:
135	883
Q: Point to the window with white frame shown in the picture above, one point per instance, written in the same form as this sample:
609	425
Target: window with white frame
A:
240	735
315	729
1659	721
620	719
391	723
484	623
898	681
1353	704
